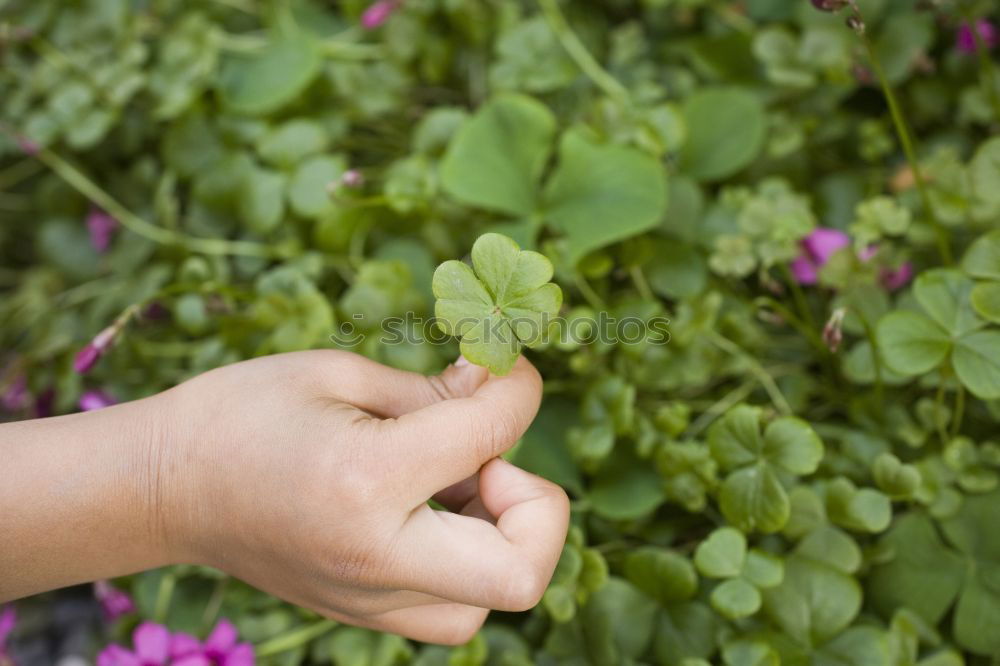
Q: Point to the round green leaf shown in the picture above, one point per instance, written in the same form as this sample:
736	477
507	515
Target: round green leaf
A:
977	363
814	602
307	190
666	575
982	259
754	499
763	569
602	193
263	202
726	129
496	158
721	555
944	294
264	81
289	143
912	344
735	598
793	445
986	301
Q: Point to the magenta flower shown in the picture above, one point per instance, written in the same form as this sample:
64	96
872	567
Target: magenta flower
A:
8	618
15	397
817	248
101	227
378	13
91	353
151	643
965	39
896	278
352	178
95	399
114	602
221	646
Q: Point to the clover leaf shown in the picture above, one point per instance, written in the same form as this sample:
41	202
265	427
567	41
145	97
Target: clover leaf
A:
753	496
744	572
501	303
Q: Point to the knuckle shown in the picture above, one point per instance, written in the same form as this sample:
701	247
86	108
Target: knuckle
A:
523	590
438	389
463	627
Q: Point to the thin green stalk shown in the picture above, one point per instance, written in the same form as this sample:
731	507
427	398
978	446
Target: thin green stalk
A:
756	369
958	417
579	53
808	332
164	594
805	312
589	295
909	149
719	408
211	611
17	172
939	409
641	284
92	191
293	639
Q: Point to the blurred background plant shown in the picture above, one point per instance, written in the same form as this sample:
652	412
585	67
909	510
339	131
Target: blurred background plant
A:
806	473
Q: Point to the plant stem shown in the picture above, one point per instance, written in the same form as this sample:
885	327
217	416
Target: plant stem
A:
214	603
756	369
164	594
92	191
959	415
589	295
579	53
909	149
293	639
641	285
18	172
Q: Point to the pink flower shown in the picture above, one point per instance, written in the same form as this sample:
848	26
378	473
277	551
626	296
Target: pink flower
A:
151	643
27	146
96	399
895	278
817	248
222	649
965	39
378	13
352	178
101	227
8	618
91	353
114	602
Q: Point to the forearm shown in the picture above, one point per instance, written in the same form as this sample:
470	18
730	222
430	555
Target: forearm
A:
80	498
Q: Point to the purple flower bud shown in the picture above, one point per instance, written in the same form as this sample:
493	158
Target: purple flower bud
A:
114	602
896	278
45	403
101	227
96	399
830	5
91	353
378	13
352	178
833	331
965	39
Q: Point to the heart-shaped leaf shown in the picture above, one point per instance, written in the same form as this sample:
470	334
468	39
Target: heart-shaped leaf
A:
912	344
977	363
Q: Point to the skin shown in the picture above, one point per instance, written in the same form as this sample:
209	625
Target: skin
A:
306	475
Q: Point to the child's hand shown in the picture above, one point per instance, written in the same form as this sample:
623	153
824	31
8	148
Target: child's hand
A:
308	475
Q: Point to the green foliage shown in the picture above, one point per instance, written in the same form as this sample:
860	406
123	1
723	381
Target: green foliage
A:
741	494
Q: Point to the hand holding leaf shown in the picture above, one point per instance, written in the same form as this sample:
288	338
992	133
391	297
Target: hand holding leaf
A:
503	302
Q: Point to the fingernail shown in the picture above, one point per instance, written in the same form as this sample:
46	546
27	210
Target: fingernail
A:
461	361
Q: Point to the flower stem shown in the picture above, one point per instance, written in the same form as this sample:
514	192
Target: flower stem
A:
164	594
294	638
909	149
641	284
755	368
579	53
88	188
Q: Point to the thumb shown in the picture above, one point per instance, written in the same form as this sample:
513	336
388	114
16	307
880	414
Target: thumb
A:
451	439
389	393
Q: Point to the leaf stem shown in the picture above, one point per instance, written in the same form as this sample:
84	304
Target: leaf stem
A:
756	369
18	172
92	191
909	148
589	295
293	639
641	284
164	594
579	53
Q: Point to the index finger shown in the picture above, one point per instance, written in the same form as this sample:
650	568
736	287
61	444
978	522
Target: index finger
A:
450	440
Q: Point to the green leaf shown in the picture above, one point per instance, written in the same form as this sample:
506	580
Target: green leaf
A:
263	82
726	129
735	598
686	630
543	450
721	555
763	569
307	191
735	439
864	509
262	205
832	546
665	575
982	259
625	489
496	158
986	301
749	653
792	445
814	602
602	193
504	303
754	499
944	294
977	363
288	144
912	344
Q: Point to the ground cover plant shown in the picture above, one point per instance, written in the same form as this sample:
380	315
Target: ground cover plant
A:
801	467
